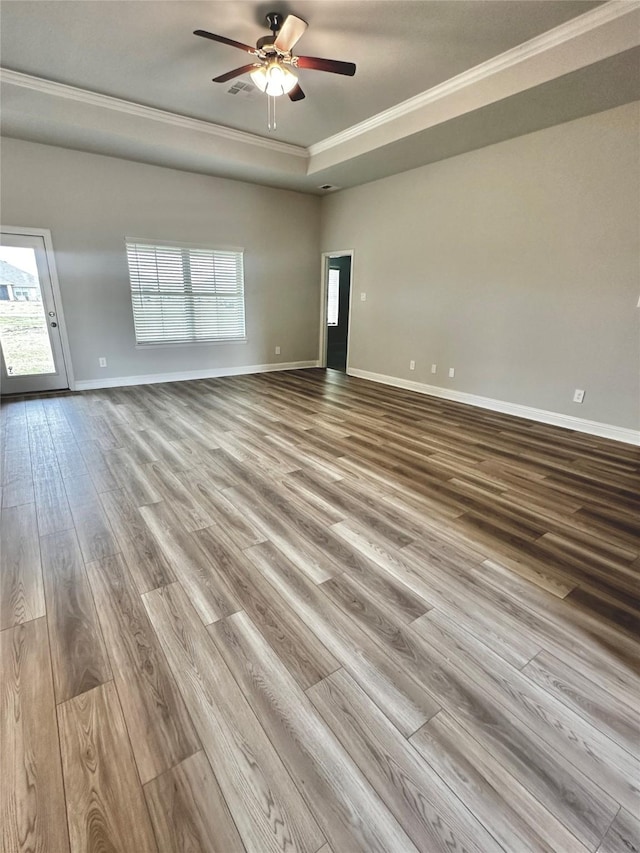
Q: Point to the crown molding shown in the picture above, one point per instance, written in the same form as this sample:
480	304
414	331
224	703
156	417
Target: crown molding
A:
61	90
556	37
584	25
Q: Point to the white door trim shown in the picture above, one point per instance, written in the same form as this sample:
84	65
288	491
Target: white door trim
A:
45	233
322	346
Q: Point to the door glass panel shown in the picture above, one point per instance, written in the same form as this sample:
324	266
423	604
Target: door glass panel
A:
23	320
333	297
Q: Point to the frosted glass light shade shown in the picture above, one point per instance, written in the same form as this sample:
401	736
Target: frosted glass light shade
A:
274	79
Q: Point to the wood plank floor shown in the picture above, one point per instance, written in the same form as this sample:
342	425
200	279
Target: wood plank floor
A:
303	612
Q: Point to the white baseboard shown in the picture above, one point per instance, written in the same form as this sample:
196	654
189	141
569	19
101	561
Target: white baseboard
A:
207	373
629	436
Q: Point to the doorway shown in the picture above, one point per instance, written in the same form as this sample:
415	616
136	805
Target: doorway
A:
337	307
32	342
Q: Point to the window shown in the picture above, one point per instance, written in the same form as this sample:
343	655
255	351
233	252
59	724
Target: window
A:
333	297
186	294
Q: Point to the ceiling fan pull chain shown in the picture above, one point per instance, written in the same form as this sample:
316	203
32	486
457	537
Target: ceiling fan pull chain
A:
271	113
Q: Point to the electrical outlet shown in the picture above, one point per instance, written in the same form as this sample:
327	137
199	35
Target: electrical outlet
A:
434	368
277	350
363	297
578	395
102	361
412	365
452	372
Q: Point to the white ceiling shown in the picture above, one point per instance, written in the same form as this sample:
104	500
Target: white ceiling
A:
143	53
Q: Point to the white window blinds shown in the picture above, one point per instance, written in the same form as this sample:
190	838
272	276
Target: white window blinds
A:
333	297
183	294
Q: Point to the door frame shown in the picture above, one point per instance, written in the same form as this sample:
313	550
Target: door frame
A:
45	233
322	347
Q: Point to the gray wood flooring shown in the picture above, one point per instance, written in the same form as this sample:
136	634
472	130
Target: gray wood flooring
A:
303	612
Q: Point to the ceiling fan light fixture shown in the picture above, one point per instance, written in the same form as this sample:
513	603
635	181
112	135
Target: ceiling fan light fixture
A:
274	79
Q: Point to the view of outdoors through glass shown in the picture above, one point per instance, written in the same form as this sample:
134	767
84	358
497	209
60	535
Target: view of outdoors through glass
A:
23	322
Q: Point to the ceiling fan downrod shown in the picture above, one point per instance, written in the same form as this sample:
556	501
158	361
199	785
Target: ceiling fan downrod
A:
274	22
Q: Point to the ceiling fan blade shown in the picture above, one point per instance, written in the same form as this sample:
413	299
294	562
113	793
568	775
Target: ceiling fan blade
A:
225	40
292	29
235	73
296	94
332	65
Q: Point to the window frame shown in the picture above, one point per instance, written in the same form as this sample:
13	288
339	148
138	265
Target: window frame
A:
174	244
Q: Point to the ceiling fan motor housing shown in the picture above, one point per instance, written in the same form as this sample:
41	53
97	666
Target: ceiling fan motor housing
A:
266	42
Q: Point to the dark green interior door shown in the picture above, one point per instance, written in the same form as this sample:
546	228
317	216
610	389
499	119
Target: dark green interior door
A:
338	311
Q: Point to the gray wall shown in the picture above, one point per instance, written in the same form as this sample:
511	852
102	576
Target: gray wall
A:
517	264
91	203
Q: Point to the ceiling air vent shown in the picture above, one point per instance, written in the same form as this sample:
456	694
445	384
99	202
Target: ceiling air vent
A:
328	187
242	88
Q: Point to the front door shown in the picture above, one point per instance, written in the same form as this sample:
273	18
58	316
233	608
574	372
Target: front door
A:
31	357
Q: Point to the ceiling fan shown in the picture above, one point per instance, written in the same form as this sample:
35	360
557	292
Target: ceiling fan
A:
271	72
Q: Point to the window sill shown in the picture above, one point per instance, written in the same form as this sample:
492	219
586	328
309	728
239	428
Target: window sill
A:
170	344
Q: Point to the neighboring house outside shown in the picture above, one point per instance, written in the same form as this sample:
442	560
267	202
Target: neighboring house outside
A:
17	285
